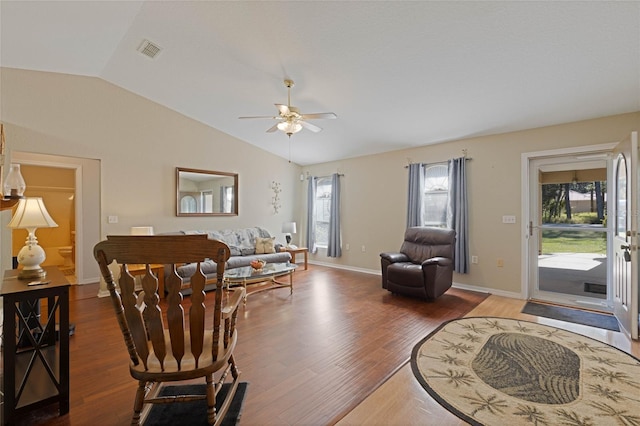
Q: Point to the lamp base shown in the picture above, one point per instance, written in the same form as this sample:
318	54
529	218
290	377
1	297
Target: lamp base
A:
29	274
30	257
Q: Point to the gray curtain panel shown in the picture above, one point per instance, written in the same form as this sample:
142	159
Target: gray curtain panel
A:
311	214
457	212
415	207
334	247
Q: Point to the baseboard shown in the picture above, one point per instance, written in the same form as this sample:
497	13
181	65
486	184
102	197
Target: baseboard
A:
346	267
496	292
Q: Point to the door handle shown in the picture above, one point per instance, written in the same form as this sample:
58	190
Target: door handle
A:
625	246
627	255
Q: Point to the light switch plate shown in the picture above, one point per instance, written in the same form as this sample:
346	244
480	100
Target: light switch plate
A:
508	219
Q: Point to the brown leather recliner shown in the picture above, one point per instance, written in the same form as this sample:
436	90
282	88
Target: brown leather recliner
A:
424	266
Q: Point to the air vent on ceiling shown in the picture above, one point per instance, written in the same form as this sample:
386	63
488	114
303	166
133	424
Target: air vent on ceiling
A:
149	49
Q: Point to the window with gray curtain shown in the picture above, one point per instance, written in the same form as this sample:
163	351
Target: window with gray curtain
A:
323	215
438	197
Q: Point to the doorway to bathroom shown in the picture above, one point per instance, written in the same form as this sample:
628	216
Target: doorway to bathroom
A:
57	188
84	219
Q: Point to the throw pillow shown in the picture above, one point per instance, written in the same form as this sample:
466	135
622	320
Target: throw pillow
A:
265	245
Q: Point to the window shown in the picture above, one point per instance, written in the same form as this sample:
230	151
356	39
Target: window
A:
323	211
207	201
227	199
436	187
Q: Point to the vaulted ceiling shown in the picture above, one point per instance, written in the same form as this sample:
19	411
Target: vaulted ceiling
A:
398	74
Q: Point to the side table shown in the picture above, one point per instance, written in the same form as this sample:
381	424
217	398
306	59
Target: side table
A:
36	371
298	250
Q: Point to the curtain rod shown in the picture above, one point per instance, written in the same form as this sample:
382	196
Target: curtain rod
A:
464	155
339	174
436	162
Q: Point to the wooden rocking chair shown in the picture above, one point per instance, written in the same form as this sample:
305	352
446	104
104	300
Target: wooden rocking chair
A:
173	345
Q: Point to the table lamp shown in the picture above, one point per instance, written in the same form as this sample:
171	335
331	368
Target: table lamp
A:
288	228
31	214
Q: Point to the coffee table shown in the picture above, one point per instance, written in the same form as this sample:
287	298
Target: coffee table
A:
246	275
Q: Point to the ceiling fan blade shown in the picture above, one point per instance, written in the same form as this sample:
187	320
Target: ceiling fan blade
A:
310	126
272	128
284	109
317	115
262	116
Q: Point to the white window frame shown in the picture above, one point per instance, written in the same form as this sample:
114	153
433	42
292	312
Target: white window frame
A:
322	201
435	186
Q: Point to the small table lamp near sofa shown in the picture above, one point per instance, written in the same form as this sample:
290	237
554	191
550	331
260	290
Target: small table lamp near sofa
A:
289	228
31	214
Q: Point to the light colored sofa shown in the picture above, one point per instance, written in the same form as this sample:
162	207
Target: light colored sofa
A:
243	243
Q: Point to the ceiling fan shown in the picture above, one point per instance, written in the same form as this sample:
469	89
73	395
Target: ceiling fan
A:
291	120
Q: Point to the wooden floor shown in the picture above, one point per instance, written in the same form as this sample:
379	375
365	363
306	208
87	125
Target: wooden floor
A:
336	351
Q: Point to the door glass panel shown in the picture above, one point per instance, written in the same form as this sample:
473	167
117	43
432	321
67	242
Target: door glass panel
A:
572	238
573	262
621	197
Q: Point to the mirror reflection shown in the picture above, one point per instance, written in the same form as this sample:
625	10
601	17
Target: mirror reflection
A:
206	193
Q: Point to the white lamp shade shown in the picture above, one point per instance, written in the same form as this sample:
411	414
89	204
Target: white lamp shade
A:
31	213
142	230
289	227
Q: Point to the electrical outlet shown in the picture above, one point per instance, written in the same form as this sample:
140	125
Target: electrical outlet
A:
474	259
500	262
113	219
364	249
508	219
346	246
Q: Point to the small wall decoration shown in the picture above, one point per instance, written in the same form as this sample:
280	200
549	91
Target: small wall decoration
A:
275	201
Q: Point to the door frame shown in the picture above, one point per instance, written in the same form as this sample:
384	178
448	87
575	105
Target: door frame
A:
525	188
88	195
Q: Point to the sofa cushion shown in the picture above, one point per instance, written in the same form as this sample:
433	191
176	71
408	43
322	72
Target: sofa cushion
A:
241	242
186	271
265	245
239	261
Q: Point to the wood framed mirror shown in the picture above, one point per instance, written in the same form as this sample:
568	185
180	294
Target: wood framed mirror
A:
206	193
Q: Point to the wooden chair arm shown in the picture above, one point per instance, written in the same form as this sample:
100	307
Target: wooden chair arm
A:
234	301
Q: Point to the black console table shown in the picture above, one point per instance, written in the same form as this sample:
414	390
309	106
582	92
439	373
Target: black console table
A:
35	368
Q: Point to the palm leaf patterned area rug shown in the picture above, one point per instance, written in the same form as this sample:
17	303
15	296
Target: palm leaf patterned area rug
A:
499	371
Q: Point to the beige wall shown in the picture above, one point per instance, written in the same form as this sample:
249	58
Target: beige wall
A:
139	143
374	193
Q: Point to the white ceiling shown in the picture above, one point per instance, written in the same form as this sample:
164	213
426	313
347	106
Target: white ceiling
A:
398	74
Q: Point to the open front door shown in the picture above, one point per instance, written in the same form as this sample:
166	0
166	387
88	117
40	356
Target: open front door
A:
625	235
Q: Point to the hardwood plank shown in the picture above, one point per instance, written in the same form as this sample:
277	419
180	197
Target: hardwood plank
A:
335	351
310	357
402	401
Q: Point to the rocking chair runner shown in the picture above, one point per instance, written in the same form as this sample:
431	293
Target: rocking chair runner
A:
173	346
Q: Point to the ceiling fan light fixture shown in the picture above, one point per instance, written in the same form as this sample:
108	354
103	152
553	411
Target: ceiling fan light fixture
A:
291	119
289	127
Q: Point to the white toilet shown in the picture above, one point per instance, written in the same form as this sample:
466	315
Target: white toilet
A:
67	254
